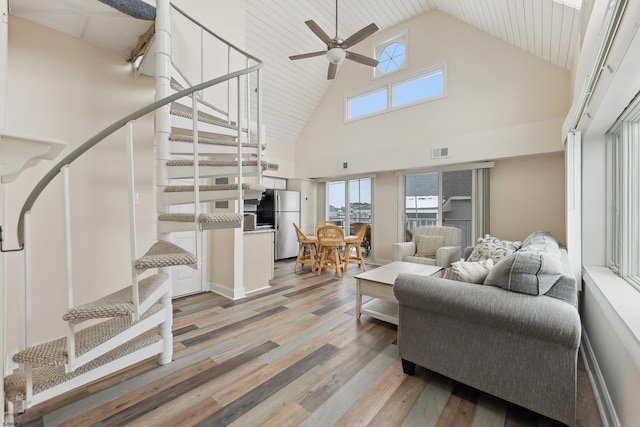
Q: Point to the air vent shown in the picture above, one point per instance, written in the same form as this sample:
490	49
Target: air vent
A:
440	153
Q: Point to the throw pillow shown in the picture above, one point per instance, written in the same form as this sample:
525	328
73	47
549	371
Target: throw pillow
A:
494	248
429	245
527	272
539	237
470	272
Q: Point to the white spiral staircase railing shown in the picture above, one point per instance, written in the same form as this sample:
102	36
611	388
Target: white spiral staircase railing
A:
126	323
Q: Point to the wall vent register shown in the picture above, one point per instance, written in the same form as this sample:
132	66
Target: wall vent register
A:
440	153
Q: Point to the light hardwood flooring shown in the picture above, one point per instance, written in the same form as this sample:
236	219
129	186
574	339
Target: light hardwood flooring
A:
290	355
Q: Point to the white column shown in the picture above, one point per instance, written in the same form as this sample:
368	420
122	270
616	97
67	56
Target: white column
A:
573	172
163	129
4	47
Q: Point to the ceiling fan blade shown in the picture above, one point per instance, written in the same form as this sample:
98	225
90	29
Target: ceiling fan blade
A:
307	55
331	74
360	35
361	59
318	31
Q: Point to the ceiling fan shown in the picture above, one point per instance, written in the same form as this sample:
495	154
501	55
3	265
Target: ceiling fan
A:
336	48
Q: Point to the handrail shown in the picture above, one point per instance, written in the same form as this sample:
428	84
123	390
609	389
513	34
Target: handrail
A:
75	154
231	45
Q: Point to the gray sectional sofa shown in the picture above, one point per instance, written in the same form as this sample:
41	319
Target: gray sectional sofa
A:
515	335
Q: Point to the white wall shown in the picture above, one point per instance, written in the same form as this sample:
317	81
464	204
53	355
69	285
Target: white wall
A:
527	194
384	231
223	17
501	102
62	87
281	152
186	54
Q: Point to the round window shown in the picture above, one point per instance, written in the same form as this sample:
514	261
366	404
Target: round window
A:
391	58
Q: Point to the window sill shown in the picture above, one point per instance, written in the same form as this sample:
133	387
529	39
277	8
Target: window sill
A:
620	303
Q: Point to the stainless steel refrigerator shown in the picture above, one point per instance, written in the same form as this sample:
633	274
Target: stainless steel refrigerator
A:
280	209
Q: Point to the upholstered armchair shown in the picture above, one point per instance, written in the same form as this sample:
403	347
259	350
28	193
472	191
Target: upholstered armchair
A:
431	245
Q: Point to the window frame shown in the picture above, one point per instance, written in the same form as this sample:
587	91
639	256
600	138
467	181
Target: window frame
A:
401	38
347	198
389	86
480	191
623	197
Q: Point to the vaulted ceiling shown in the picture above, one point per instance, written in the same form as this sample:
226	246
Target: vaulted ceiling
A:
275	30
292	89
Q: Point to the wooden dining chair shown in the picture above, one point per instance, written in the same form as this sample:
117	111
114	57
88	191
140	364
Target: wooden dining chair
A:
323	223
354	242
330	239
307	253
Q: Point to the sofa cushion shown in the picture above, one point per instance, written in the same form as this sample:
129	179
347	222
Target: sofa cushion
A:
527	272
428	245
470	272
540	238
419	260
494	248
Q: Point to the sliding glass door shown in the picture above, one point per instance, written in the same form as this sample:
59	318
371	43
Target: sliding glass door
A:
349	203
439	199
336	208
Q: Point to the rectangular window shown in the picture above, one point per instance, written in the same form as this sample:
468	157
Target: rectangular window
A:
418	89
425	86
623	210
368	104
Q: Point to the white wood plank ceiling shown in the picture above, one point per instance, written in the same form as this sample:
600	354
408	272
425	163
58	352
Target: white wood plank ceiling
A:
86	19
291	91
275	30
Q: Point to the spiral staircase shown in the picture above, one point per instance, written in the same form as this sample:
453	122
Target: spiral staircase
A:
198	146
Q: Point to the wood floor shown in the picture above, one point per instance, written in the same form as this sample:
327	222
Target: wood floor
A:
292	355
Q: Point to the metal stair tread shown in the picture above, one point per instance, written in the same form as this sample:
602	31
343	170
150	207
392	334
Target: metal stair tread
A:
47	377
119	303
205	163
209	120
204	217
215	187
54	353
164	254
212	141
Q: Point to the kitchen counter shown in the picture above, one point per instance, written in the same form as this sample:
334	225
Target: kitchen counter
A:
260	230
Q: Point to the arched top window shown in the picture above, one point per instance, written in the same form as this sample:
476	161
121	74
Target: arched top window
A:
391	55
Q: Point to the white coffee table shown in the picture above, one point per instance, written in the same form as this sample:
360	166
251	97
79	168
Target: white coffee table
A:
378	284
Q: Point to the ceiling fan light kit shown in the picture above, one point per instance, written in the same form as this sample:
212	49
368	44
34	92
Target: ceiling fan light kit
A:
336	55
336	48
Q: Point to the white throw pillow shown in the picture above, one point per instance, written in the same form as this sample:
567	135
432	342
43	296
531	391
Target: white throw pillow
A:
470	272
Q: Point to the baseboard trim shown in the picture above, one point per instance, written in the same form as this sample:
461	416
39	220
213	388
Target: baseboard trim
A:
248	293
233	294
603	399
